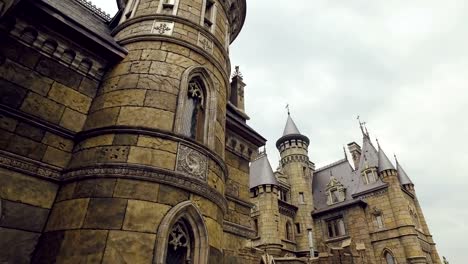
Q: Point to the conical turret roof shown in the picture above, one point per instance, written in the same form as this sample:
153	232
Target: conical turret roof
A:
369	156
384	161
291	132
290	128
261	172
402	176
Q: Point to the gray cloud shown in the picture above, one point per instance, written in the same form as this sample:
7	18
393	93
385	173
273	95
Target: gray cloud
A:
401	65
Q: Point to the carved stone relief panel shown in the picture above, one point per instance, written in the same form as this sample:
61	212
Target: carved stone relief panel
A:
205	43
192	162
163	28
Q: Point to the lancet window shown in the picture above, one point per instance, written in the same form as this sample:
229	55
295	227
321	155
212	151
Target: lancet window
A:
389	258
194	118
179	248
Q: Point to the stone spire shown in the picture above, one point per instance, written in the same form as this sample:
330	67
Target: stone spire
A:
402	176
261	172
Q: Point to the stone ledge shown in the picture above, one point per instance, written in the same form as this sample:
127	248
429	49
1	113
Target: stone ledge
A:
141	172
238	230
28	166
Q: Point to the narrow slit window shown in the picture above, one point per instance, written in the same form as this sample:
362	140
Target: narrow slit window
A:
298	228
209	14
301	198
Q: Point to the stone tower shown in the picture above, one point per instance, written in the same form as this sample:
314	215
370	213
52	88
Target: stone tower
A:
266	216
295	164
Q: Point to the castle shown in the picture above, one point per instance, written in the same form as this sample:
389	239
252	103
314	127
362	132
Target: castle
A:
125	140
365	213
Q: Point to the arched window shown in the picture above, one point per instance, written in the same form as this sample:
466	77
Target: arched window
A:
179	248
196	108
288	231
389	258
182	236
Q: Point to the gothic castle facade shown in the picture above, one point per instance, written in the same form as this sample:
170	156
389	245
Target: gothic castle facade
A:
124	140
365	213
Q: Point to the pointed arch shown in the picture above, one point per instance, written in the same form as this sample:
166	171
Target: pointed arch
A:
388	257
201	76
188	213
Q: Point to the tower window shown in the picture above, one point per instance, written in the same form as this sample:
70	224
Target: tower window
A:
379	221
389	258
288	231
168	7
209	18
336	227
298	228
194	120
301	198
256	226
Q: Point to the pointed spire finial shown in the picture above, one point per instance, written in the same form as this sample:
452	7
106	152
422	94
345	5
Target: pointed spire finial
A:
363	127
287	107
345	154
377	140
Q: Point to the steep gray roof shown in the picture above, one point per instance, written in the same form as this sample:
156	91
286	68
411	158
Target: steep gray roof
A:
290	128
342	171
369	159
402	176
261	172
384	162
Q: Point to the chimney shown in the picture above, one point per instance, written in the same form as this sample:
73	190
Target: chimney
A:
355	151
237	90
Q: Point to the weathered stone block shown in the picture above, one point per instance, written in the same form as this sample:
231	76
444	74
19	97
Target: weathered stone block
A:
128	81
144	216
157	143
134	189
15	186
176	59
23	216
153	55
29	131
133	97
216	232
216	256
94	188
88	87
58	72
147	156
129	247
27	147
171	196
8	123
207	207
58	142
48	247
100	140
47	109
102	118
146	117
17	246
70	98
140	66
68	214
83	246
56	157
25	77
73	120
66	192
105	213
166	69
10	94
125	140
161	100
158	83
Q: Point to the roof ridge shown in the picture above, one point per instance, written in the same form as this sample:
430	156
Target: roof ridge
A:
331	165
95	10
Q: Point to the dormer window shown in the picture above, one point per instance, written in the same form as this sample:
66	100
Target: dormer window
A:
209	18
335	191
369	176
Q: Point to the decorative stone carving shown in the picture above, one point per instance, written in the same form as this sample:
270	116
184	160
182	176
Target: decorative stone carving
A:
163	28
335	191
17	163
191	162
205	43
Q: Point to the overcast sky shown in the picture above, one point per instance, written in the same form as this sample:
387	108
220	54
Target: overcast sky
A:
401	65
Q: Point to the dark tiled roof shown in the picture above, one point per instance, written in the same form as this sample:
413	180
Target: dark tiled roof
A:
261	172
384	162
83	16
402	176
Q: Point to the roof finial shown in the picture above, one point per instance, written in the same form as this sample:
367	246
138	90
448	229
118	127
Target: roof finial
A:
394	155
345	154
287	107
237	73
363	127
377	140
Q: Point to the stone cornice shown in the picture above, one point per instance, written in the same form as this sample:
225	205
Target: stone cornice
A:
238	230
239	201
286	208
29	166
141	172
156	133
